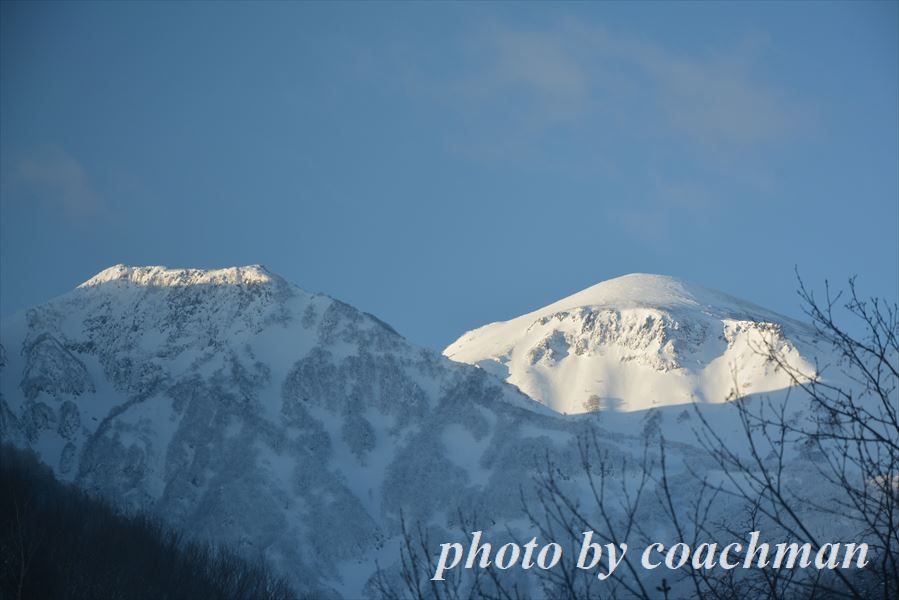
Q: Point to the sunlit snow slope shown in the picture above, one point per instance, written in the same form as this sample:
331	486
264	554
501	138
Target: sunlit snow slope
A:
638	341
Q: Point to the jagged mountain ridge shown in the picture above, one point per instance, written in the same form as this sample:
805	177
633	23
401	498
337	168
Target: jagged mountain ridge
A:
245	410
636	342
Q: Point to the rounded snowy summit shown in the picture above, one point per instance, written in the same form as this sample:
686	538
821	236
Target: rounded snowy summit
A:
644	290
635	342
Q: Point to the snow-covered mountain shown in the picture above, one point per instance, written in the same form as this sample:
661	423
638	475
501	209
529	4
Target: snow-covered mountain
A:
636	342
245	410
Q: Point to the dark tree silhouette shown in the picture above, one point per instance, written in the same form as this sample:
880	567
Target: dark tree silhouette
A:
58	542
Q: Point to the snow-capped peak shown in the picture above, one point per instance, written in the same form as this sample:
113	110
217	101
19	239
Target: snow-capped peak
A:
159	276
644	290
635	290
246	411
634	342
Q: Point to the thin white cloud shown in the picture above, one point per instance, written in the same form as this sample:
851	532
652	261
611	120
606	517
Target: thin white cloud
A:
573	72
53	176
540	63
580	95
715	101
531	74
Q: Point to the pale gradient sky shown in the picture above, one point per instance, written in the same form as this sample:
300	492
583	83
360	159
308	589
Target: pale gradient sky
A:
446	165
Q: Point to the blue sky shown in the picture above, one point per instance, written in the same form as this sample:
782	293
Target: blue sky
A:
446	165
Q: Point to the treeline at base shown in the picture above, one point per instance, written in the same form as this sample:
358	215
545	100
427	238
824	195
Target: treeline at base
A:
58	542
